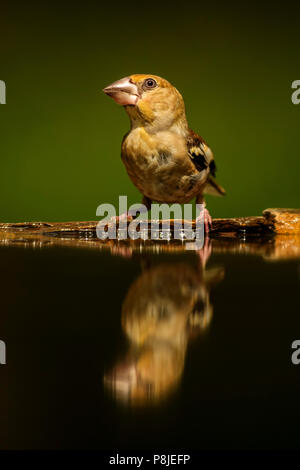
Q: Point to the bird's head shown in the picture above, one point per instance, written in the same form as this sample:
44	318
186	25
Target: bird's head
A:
150	101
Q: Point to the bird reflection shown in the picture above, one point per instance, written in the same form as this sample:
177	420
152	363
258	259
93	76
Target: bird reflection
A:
167	306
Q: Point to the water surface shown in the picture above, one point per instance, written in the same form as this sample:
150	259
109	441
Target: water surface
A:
119	350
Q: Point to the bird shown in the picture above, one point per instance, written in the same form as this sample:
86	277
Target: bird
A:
166	160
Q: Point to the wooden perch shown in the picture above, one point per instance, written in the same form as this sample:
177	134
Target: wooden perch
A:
277	221
274	235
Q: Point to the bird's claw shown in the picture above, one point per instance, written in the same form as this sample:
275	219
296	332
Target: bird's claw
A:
205	218
121	218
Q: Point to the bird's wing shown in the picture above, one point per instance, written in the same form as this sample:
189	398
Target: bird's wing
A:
203	159
200	154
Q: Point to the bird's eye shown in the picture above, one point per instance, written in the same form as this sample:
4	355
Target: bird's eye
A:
150	83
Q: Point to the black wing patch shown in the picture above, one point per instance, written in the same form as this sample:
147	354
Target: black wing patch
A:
196	147
198	160
213	168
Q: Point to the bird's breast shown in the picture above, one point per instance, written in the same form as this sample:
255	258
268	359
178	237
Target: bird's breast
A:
160	168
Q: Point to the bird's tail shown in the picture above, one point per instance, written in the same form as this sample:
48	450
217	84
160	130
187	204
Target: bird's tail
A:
213	188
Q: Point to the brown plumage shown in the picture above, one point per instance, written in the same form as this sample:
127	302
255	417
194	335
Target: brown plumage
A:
166	161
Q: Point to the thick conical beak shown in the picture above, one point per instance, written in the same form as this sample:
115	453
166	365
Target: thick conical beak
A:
123	91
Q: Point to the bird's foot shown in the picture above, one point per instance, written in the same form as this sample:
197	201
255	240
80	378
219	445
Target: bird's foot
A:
121	218
205	218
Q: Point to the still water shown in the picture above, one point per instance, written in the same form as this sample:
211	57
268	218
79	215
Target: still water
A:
113	349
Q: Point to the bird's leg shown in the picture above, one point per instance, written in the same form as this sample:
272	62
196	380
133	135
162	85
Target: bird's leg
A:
204	216
147	202
142	209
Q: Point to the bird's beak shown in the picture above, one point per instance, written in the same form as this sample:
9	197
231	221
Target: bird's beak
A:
123	91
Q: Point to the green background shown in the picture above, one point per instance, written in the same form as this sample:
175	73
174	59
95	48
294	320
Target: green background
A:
60	136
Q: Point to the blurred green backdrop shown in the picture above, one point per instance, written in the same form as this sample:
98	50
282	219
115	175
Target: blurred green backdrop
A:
60	135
